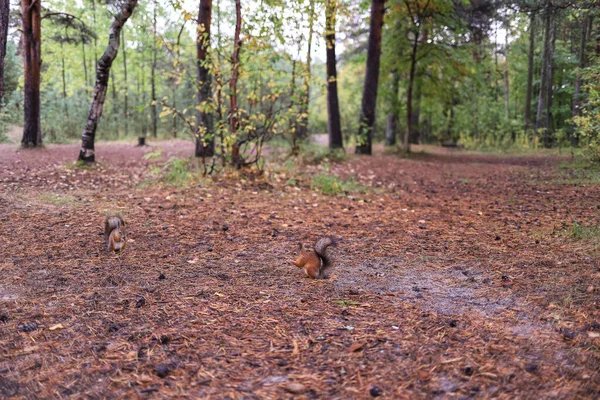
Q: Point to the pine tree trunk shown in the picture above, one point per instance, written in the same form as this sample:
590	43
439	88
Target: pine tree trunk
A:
581	64
391	129
369	97
506	82
529	92
334	126
125	86
102	74
236	157
4	10
546	66
31	36
205	141
153	76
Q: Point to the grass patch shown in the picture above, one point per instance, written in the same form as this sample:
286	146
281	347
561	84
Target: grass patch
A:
314	155
332	185
178	172
346	303
53	198
582	232
81	165
579	171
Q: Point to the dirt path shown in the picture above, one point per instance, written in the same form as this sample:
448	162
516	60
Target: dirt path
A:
456	276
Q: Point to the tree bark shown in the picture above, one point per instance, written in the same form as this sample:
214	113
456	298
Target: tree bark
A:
205	141
392	119
506	83
32	32
64	79
369	97
102	74
4	10
545	93
125	86
334	126
153	75
530	56
236	158
409	92
85	68
581	64
415	129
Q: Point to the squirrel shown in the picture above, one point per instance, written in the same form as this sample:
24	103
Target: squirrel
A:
314	261
114	234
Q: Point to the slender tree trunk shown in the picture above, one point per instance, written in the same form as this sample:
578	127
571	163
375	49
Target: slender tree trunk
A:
205	141
529	93
236	158
142	114
334	126
153	74
32	61
369	98
415	129
506	83
581	64
85	68
115	104
64	80
125	85
302	130
102	73
546	61
391	129
4	10
409	92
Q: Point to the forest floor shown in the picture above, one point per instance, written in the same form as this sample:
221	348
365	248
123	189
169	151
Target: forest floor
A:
457	275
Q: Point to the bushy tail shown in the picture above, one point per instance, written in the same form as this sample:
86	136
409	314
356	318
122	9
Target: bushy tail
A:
321	249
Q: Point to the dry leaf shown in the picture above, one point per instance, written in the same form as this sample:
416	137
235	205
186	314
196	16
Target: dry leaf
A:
356	346
57	326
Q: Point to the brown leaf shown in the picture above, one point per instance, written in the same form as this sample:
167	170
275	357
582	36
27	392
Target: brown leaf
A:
356	346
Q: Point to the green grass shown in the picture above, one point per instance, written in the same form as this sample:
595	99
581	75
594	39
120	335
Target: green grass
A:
346	303
582	232
332	185
52	198
579	171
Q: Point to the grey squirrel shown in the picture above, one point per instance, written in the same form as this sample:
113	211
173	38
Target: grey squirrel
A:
315	261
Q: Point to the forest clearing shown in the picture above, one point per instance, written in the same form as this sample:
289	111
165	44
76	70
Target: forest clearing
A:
457	275
306	199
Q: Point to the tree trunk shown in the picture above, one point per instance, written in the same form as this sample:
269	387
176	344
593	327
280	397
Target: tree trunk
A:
545	94
546	67
369	97
153	75
581	64
32	48
4	10
236	158
64	80
205	141
125	86
391	129
530	56
409	92
334	126
102	74
302	130
415	129
85	68
506	83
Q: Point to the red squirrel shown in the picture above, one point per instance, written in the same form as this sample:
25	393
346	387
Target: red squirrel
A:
114	234
315	261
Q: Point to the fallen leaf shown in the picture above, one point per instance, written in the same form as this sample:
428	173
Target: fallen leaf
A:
356	346
57	326
593	335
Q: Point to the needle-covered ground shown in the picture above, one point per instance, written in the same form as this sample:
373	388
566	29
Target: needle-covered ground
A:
456	276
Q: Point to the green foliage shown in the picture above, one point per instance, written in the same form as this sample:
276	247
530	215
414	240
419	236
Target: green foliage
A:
582	232
314	154
332	185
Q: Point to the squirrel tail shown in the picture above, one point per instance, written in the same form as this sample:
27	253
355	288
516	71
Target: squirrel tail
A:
321	249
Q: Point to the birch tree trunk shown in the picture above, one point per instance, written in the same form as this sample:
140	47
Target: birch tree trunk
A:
102	74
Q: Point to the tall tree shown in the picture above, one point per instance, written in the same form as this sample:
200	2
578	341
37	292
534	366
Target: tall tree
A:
530	56
334	127
88	136
236	157
4	10
125	86
205	141
153	74
369	96
391	129
302	130
544	116
32	61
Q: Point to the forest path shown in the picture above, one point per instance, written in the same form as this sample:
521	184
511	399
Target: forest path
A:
457	275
